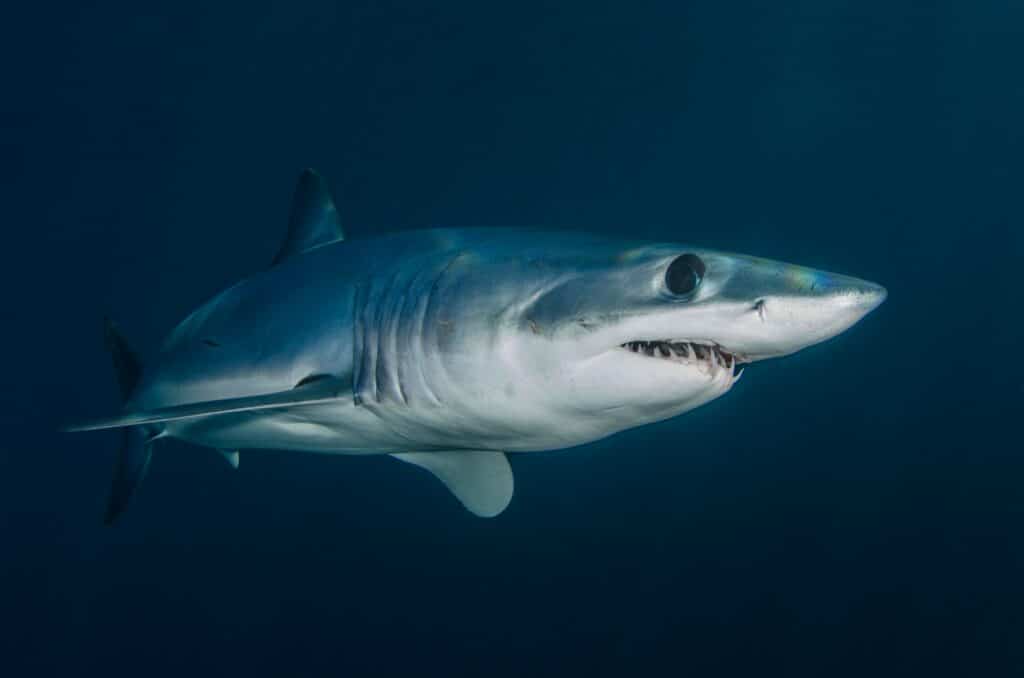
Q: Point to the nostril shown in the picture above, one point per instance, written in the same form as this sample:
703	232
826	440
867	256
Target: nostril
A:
759	307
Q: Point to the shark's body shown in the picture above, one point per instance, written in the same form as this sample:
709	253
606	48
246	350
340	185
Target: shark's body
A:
449	347
435	333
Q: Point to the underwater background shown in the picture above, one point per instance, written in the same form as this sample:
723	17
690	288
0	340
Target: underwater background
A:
856	509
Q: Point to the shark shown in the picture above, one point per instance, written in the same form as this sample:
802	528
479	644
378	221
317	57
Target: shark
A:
449	349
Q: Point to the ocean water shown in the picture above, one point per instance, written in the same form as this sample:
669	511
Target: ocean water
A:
855	509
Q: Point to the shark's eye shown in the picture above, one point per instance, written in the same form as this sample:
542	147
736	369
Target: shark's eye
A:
684	274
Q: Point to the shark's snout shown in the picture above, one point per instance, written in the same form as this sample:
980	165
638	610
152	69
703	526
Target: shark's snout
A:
801	281
843	300
792	307
837	299
868	296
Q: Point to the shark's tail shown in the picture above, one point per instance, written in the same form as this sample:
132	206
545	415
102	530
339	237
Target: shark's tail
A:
136	441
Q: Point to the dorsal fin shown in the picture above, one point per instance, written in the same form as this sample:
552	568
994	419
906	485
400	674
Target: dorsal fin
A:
314	218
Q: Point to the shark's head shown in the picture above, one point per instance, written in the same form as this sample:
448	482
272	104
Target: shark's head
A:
658	330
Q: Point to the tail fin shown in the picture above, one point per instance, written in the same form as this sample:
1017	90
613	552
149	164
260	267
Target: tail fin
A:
132	462
136	442
126	362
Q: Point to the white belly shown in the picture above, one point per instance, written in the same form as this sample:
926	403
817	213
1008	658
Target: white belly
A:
385	428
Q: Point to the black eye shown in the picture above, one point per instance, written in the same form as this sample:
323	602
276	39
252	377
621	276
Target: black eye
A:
684	274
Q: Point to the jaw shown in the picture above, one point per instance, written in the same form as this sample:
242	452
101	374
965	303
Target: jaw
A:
707	358
636	383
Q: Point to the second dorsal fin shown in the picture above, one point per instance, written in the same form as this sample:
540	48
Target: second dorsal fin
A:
314	218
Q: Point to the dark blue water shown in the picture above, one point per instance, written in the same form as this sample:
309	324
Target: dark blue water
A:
857	509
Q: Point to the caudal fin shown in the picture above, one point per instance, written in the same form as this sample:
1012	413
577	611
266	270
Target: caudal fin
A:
132	462
137	442
126	363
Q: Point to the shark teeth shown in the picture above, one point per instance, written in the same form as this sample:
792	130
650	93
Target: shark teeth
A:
706	356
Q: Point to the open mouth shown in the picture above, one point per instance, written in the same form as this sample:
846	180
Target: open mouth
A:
687	352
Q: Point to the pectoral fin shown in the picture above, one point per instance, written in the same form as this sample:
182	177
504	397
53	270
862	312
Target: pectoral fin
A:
481	479
309	392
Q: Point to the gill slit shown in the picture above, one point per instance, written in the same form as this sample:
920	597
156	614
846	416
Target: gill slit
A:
428	314
392	358
359	295
380	358
412	329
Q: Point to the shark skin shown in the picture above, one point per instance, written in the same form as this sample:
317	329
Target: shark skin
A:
450	347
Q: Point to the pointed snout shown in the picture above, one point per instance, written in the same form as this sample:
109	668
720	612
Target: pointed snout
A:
796	307
872	296
859	295
803	314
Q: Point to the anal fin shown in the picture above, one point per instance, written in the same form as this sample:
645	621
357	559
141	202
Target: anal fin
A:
230	456
481	479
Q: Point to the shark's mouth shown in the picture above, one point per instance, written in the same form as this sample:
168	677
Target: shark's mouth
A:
687	352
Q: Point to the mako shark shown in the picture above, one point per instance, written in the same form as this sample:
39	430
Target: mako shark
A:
448	348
